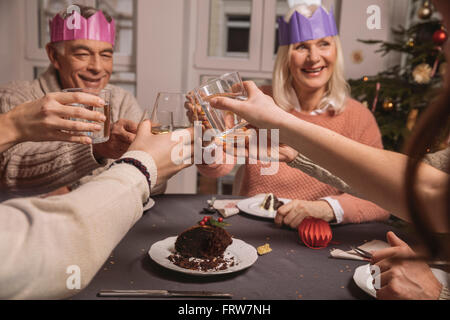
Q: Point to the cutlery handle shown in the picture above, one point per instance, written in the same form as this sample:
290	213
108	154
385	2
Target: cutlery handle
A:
133	293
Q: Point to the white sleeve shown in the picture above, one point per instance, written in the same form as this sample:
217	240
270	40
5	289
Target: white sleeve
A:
337	209
41	238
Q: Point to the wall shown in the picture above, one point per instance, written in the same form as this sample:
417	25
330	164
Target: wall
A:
163	33
12	40
353	26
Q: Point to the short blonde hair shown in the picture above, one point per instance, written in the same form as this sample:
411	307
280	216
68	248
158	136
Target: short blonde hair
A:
338	89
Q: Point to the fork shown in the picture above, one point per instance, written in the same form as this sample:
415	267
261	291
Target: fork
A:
362	252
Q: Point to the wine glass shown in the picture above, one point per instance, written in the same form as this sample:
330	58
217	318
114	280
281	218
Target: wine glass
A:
169	113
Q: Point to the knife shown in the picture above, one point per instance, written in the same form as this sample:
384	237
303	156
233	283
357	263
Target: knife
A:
162	294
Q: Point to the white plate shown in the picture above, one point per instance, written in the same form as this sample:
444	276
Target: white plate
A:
149	205
363	279
244	255
252	206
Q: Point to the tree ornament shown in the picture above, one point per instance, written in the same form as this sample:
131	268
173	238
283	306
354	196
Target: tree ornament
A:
439	37
410	43
425	11
422	73
315	233
388	104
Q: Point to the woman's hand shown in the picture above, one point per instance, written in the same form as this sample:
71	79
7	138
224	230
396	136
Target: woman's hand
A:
46	119
402	279
283	153
259	110
293	213
163	149
194	111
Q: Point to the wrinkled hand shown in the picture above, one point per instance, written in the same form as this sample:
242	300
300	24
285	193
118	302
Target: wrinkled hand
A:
259	110
164	150
46	119
122	134
293	213
402	279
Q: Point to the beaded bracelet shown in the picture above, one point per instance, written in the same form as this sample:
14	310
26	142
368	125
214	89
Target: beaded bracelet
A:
140	167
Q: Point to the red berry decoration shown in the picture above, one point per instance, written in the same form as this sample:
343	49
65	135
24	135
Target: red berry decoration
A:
202	223
315	233
439	37
220	219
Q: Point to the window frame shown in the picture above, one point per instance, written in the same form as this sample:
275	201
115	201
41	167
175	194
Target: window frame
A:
204	61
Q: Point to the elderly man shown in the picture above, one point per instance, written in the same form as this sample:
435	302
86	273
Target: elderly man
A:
81	56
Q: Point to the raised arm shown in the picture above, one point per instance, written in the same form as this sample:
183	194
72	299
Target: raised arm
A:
378	175
42	241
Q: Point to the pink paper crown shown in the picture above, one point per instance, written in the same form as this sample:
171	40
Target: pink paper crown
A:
301	28
76	27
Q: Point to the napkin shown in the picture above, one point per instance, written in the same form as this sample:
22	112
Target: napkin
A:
227	208
373	245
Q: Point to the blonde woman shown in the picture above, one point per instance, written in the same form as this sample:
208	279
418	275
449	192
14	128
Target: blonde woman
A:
308	82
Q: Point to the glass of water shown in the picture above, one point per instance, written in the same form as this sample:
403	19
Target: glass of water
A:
229	85
102	135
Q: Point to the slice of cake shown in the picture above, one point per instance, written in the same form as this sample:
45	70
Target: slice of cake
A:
203	241
271	203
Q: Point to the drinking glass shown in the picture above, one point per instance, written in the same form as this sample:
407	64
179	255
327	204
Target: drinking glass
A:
102	135
229	85
169	113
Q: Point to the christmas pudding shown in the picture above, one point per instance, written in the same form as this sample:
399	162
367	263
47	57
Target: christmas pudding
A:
202	247
271	203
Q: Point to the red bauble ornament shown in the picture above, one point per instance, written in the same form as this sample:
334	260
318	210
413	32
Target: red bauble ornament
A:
439	37
315	233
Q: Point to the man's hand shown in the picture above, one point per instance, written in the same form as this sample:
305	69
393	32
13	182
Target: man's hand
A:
293	213
46	119
400	278
162	149
122	135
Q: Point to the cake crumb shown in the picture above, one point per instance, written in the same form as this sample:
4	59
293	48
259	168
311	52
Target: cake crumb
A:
265	249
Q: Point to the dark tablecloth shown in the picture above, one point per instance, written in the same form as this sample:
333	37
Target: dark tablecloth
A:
291	271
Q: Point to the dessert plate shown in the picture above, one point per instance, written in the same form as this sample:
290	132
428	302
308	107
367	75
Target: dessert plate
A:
363	279
243	254
149	205
252	207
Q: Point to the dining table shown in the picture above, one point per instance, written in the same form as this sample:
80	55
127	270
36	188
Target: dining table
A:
291	271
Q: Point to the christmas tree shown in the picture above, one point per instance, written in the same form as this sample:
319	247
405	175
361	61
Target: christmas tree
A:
397	96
